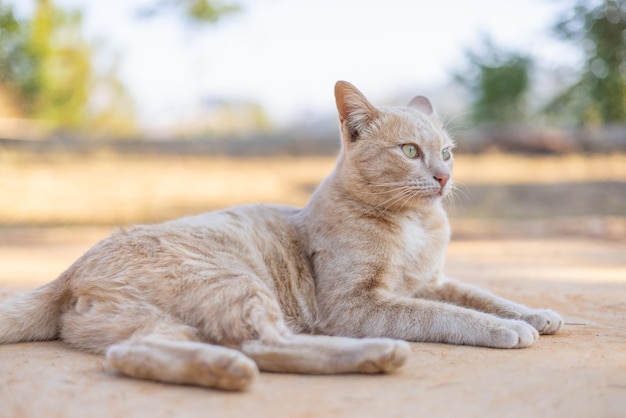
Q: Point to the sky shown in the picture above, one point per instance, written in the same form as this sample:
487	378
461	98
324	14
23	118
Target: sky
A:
287	54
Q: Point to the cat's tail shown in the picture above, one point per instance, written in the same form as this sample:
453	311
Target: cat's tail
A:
36	315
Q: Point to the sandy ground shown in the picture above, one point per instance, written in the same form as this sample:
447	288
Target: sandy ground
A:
580	372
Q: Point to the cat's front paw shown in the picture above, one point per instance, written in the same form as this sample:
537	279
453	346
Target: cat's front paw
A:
511	333
545	321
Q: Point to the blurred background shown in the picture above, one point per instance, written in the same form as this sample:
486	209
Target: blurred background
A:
131	111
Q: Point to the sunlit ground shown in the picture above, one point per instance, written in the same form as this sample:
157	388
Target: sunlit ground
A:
54	208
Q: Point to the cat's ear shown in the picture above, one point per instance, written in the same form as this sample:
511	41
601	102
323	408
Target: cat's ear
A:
355	111
422	104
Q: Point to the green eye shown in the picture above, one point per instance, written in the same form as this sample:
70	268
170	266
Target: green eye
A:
410	150
446	154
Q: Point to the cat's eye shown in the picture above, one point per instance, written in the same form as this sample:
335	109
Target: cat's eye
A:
446	154
410	150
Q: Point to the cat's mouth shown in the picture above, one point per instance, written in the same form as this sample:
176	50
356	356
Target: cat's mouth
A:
432	190
444	190
403	195
417	196
434	193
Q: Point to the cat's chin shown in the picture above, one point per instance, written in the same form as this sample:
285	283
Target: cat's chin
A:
425	200
429	200
432	198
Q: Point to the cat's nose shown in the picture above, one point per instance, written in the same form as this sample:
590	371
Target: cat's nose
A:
442	178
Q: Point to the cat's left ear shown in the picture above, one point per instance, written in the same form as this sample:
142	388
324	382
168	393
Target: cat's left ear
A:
356	113
422	104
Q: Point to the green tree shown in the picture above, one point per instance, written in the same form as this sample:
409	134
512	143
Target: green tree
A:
498	81
47	69
599	28
198	11
62	65
17	78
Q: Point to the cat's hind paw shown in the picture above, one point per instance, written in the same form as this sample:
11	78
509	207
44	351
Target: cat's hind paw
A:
383	355
545	321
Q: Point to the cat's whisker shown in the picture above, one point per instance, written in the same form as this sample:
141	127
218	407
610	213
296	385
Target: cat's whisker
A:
409	198
456	129
448	121
394	199
391	184
458	188
405	196
461	129
456	192
450	199
381	192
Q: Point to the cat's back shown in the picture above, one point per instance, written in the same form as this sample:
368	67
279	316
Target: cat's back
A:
248	231
150	261
254	224
248	235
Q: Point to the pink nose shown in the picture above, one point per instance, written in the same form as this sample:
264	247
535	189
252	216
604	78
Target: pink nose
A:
442	178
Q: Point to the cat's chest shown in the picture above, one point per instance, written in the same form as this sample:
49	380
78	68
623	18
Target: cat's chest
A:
414	238
422	248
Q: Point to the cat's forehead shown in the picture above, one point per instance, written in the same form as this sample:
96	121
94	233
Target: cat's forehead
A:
409	124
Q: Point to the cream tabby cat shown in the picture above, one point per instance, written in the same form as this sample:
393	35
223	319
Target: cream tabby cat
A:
211	299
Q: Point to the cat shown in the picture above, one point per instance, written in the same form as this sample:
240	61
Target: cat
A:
338	286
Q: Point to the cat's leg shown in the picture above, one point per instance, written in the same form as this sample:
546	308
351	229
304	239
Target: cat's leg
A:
383	314
545	321
142	341
320	354
275	348
158	357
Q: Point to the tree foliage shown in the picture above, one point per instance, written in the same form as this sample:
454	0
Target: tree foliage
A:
17	78
47	68
498	80
198	11
61	66
599	28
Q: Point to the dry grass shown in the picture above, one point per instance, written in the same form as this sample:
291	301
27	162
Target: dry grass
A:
110	189
520	169
107	189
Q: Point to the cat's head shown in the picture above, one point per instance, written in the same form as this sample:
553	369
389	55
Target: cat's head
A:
392	157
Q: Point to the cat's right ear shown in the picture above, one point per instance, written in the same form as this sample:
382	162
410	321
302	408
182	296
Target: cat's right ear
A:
355	111
422	104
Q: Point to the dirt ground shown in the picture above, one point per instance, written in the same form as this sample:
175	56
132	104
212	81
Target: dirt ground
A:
580	372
